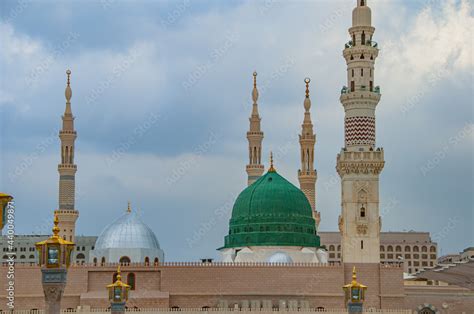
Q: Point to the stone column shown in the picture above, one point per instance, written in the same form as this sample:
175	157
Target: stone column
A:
54	282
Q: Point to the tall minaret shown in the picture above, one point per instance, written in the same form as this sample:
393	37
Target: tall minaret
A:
67	215
307	175
359	162
255	137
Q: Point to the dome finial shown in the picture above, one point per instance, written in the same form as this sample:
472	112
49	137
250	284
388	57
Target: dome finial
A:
354	275
129	208
119	277
272	169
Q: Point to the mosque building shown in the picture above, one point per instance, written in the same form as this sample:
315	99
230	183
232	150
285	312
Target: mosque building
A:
272	256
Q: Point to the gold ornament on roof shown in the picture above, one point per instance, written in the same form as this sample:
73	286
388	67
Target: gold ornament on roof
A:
272	169
307	80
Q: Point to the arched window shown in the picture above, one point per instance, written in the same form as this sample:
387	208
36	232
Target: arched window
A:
407	249
353	42
362	212
22	257
338	247
332	248
124	260
398	248
95	261
424	249
156	261
361	244
362	72
363	38
102	261
362	3
362	57
32	256
390	248
416	249
147	261
426	310
205	307
432	249
131	281
382	249
352	72
80	256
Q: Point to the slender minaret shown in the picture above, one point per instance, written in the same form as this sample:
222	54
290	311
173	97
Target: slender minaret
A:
307	175
67	215
255	137
359	162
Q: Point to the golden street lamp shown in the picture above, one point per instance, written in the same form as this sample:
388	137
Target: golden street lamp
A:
4	200
118	294
354	294
54	259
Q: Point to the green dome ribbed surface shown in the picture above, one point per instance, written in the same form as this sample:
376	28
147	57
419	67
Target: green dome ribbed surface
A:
272	212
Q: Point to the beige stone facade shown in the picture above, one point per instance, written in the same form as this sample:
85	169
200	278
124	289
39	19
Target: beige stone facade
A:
198	285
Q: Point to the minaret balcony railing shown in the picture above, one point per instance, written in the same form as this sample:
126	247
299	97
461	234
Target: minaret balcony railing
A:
361	88
369	43
67	166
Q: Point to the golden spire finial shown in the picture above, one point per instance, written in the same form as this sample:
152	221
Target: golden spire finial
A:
272	169
119	277
56	228
354	275
129	208
254	79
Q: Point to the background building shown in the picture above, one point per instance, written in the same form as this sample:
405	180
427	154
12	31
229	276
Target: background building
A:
414	249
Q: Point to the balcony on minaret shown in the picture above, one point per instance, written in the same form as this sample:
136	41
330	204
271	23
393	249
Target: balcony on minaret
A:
307	173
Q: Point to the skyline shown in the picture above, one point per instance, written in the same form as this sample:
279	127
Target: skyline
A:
138	146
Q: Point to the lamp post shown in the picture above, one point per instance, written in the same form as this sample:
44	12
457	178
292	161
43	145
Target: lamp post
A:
118	294
54	259
354	294
4	200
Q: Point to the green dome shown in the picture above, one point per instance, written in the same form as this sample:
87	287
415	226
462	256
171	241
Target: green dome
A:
272	212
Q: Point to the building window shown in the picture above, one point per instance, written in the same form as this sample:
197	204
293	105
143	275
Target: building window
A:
147	261
433	256
361	244
398	248
332	255
424	256
102	261
382	256
433	249
390	256
332	248
362	72
382	249
352	86
362	212
416	256
416	263
363	38
407	249
124	260
80	256
32	256
95	261
424	249
156	261
416	249
390	248
407	256
371	86
131	281
338	247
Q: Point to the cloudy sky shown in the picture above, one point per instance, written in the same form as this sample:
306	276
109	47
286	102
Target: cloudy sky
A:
161	95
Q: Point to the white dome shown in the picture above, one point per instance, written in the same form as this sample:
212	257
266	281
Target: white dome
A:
280	257
127	232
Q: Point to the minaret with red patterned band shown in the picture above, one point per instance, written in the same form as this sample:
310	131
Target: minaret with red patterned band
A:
360	162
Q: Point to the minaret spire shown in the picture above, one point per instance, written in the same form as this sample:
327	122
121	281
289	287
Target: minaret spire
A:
359	163
307	174
66	213
255	137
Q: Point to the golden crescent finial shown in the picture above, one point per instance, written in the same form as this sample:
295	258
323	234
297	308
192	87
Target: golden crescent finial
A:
307	80
129	208
255	79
